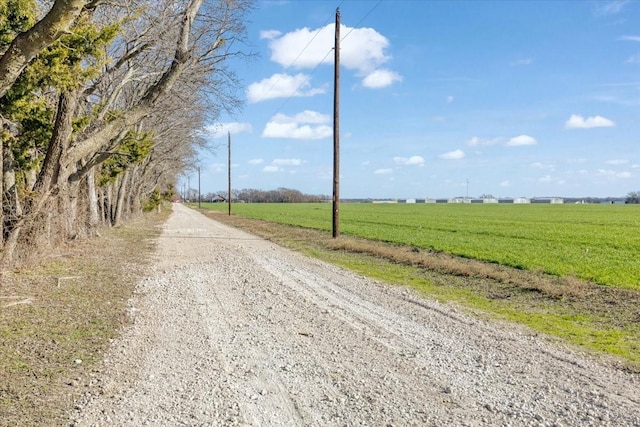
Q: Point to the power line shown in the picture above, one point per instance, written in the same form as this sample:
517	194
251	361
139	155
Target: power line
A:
306	80
298	57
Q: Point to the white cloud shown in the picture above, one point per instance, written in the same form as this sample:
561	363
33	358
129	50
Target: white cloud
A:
306	125
413	160
522	61
218	167
364	51
450	99
540	165
617	162
452	155
521	140
270	34
256	161
271	169
286	162
546	178
281	86
579	122
222	130
577	160
505	183
476	141
633	59
607	8
380	78
630	38
383	171
613	174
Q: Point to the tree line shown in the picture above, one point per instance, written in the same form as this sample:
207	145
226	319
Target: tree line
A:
251	195
101	103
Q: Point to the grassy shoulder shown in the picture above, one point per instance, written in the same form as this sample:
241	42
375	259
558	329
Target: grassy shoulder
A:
57	319
597	318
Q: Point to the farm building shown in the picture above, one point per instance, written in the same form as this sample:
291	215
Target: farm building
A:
551	200
490	200
459	200
521	200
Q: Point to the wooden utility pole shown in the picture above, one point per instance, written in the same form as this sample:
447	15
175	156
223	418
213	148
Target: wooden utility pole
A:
199	197
336	130
229	168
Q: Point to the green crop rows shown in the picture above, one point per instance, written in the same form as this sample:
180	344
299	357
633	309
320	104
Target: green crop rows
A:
600	243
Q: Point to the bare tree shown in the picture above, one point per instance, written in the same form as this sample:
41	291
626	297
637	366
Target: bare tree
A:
168	71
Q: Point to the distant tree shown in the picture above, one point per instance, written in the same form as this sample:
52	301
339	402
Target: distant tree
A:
633	197
487	196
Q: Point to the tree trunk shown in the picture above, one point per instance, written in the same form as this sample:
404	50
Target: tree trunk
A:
92	200
121	198
59	143
1	186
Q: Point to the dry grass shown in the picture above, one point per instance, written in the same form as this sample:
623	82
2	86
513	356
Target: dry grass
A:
607	313
57	319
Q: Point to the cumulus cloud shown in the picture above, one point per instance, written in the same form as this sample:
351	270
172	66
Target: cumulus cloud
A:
256	161
364	51
613	174
521	140
281	86
450	99
381	78
306	125
617	162
383	171
270	34
540	165
286	162
579	122
222	130
452	155
505	183
410	161
476	141
271	169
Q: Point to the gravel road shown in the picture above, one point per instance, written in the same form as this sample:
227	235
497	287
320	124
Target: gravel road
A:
234	330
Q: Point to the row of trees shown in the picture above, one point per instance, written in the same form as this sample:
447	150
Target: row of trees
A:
100	107
250	195
633	197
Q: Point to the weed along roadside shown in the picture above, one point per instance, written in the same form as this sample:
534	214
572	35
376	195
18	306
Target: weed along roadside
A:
57	320
600	319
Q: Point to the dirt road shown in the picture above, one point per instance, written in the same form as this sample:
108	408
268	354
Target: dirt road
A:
234	330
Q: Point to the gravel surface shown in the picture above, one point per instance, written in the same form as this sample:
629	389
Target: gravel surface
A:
234	330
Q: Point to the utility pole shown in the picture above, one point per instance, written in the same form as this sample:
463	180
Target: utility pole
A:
467	199
336	129
229	169
199	188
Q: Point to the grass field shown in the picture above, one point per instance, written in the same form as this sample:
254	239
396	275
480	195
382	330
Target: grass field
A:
598	243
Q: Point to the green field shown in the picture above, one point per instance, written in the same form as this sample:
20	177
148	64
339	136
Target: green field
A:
599	243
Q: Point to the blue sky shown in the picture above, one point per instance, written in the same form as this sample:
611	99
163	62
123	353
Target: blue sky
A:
520	98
